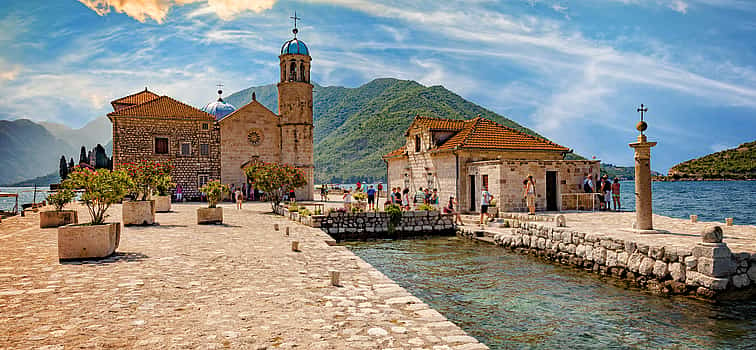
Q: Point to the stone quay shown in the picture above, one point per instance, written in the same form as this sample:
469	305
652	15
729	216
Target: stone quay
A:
707	260
237	285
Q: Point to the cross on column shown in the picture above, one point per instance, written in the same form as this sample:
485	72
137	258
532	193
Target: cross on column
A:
295	18
642	110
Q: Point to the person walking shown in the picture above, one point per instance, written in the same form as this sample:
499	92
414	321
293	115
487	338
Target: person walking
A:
616	194
530	194
449	209
239	198
378	194
371	197
405	199
419	197
485	200
179	193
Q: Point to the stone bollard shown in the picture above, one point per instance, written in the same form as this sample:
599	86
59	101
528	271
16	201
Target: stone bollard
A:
712	234
693	218
711	265
287	231
334	277
275	227
728	221
560	221
294	246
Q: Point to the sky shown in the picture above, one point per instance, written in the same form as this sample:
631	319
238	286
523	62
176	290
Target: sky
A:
574	71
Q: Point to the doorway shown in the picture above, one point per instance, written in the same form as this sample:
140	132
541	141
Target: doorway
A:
551	191
472	193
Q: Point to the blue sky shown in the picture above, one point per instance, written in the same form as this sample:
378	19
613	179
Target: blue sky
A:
575	71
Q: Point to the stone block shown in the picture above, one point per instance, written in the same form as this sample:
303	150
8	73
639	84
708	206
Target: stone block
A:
699	279
646	266
740	281
630	247
656	252
138	212
622	259
589	252
642	248
691	263
55	218
571	248
718	250
677	271
580	251
752	273
599	255
660	269
88	241
210	215
162	204
611	258
717	267
712	234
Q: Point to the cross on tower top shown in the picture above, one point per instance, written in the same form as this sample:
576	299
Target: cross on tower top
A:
295	18
642	110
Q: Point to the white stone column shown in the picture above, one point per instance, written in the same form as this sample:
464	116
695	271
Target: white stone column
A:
643	206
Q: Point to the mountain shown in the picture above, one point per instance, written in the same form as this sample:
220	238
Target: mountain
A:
97	131
27	150
354	127
622	172
46	180
735	163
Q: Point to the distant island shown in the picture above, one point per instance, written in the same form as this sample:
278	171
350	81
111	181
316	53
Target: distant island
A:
738	163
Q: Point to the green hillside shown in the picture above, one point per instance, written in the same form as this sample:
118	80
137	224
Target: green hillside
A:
736	163
354	127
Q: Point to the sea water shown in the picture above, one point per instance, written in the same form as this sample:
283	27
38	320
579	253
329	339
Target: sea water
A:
512	301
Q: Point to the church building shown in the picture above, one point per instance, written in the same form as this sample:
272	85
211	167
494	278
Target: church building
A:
462	157
219	140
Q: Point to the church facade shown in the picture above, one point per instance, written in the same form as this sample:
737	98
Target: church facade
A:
461	157
219	141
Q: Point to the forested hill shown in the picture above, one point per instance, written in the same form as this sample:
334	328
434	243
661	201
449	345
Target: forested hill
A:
736	163
354	127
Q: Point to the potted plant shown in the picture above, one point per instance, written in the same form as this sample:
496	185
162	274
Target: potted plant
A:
59	217
96	239
361	199
214	191
163	197
275	179
145	176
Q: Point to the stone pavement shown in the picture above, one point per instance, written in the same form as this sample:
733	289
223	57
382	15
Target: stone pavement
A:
183	286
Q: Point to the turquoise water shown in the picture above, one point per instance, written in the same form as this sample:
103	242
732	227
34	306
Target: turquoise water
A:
25	195
511	301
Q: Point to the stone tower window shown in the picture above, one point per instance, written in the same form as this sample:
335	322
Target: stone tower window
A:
417	143
293	71
205	126
186	149
204	149
161	145
301	72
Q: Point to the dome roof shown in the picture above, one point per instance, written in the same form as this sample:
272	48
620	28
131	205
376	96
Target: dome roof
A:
294	46
219	109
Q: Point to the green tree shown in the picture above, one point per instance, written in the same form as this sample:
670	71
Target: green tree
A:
83	156
63	169
146	176
101	158
71	165
214	191
102	188
275	179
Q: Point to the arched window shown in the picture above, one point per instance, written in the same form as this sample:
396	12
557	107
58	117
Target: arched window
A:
417	143
293	71
301	72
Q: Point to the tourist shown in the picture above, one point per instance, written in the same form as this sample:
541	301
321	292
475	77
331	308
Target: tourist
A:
179	193
359	185
239	198
405	199
449	209
588	188
231	192
292	196
378	195
616	194
530	194
434	200
347	200
398	196
322	192
485	200
606	188
427	199
371	197
419	197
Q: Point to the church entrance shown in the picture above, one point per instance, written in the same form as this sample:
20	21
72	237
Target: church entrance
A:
472	193
551	191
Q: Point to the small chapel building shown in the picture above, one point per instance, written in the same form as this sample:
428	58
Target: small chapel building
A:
219	141
461	157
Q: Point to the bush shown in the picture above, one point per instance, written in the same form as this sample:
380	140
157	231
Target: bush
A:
318	211
293	207
102	188
146	176
164	186
61	198
426	207
357	210
275	179
359	196
214	191
395	216
304	212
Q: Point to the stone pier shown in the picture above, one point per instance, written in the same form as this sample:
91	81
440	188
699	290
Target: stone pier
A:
703	259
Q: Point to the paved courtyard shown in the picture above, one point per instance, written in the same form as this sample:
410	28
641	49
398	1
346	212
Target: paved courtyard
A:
183	286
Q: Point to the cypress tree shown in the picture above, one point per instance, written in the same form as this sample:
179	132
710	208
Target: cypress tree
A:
70	165
83	156
63	171
101	158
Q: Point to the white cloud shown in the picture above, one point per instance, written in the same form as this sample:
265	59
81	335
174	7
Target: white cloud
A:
157	10
679	6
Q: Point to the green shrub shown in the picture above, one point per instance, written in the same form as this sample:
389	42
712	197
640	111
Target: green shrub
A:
318	211
395	216
293	207
359	196
61	198
426	207
214	191
357	210
304	212
102	188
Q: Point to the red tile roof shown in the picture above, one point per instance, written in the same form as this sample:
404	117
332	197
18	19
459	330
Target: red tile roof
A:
481	133
134	99
163	107
397	152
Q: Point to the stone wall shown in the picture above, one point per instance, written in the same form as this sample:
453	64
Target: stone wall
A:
359	226
134	140
708	270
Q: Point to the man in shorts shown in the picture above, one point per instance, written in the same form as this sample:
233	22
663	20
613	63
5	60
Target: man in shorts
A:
371	198
485	200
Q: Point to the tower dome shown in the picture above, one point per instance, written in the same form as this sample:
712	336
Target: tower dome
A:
219	108
294	46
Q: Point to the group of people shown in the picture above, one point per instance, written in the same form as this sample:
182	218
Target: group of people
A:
403	198
607	192
347	197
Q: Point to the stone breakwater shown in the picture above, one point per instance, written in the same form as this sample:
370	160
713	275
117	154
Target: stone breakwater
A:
706	269
367	225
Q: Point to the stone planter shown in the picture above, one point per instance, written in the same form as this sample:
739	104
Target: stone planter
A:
88	241
57	218
210	215
139	212
162	204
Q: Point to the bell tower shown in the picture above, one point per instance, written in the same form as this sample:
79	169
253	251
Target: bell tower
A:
295	109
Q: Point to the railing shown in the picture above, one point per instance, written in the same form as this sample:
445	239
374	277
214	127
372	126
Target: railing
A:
580	201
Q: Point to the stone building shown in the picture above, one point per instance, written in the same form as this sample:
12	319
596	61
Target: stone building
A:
218	141
460	157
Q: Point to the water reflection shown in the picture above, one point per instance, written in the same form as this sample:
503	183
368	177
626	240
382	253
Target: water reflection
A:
508	300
